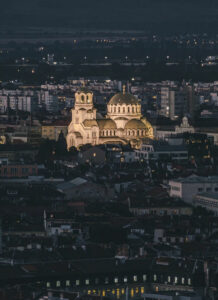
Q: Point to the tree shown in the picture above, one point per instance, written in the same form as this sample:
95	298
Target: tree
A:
45	152
61	146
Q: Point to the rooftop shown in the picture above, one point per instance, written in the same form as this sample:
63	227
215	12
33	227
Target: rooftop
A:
196	179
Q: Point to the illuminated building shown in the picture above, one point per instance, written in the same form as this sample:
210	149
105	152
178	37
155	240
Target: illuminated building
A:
123	123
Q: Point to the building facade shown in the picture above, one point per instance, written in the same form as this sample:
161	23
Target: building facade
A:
123	122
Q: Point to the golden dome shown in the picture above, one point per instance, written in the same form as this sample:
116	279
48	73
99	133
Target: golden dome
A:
123	98
90	123
135	124
106	124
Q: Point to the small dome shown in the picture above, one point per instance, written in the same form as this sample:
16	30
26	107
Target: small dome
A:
106	124
135	124
90	123
123	98
84	90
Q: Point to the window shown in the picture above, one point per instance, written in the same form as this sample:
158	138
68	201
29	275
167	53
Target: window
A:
106	280
176	279
67	282
123	109
87	281
208	189
125	279
189	281
77	282
169	279
48	285
200	189
58	283
144	277
183	280
155	277
133	109
96	280
116	280
135	278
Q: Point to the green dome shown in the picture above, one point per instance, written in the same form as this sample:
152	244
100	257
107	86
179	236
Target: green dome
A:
123	98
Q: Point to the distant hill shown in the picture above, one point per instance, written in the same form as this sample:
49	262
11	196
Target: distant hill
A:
156	15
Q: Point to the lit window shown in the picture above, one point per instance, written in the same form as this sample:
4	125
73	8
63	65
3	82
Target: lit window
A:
189	281
77	282
87	281
176	279
106	280
135	278
125	279
144	277
155	277
169	279
58	283
94	154
183	280
48	284
116	280
67	282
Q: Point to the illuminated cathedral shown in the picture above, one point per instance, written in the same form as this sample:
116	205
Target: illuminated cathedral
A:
123	122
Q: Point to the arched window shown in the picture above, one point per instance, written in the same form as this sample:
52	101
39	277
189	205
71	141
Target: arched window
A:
124	110
133	109
128	110
82	98
118	109
133	132
138	132
114	109
102	132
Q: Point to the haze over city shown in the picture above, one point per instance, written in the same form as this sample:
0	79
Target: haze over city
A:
109	150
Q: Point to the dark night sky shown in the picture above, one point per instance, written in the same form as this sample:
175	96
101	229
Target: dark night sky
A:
185	15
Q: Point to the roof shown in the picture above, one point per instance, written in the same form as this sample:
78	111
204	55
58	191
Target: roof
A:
90	123
196	179
213	196
72	183
135	124
170	148
123	98
106	124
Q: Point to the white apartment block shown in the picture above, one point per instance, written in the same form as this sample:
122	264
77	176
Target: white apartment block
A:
187	188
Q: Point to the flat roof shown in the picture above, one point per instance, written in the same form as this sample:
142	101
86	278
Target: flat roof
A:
196	179
213	196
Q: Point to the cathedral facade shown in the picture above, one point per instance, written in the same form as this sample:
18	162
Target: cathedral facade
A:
123	122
